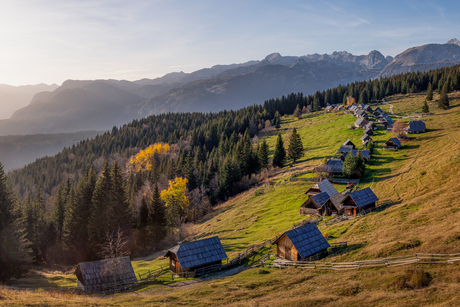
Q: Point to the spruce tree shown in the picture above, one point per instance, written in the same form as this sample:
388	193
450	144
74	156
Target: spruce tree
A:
59	208
156	218
280	152
70	227
263	154
120	215
443	102
429	93
13	246
277	120
295	148
99	223
425	108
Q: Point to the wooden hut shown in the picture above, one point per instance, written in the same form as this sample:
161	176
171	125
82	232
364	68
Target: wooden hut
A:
369	131
358	201
393	143
365	138
378	111
333	205
106	275
360	123
349	143
371	125
197	254
364	153
300	243
415	126
345	148
315	202
334	166
320	187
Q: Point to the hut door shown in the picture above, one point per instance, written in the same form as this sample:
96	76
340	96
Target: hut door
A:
354	211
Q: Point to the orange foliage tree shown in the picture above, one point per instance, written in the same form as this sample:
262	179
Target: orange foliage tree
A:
143	160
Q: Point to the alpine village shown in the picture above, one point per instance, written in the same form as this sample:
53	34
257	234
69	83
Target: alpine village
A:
348	196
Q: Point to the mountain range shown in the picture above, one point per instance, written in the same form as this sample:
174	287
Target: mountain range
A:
102	104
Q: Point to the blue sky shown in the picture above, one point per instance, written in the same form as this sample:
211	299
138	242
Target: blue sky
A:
49	41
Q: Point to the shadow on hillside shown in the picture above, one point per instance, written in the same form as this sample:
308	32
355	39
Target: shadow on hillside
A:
346	250
383	208
411	146
387	177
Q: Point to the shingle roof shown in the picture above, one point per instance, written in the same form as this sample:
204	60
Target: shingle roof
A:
348	142
395	141
360	112
416	126
378	110
368	108
345	148
360	121
370	125
197	253
364	153
307	240
326	186
98	275
337	200
320	199
369	131
334	165
363	197
365	137
388	119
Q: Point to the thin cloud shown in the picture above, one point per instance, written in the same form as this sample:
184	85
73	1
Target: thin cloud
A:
337	9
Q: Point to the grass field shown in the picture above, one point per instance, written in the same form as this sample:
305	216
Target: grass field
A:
421	179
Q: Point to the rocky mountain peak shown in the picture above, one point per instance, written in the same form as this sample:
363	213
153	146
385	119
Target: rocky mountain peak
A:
454	41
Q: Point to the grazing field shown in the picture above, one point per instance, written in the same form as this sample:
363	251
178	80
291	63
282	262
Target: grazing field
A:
421	179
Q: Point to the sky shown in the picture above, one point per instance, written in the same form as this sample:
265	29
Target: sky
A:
50	41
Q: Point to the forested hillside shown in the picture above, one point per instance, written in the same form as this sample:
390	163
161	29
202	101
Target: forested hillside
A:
113	181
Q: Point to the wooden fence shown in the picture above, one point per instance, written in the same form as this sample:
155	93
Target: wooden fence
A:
418	258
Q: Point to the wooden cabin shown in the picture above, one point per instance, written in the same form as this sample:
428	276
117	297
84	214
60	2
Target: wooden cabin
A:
360	123
334	166
333	206
365	138
393	143
378	111
315	202
197	254
320	187
300	243
105	275
371	125
345	148
415	126
349	143
364	153
358	201
369	131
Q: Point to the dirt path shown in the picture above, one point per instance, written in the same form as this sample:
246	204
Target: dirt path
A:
398	116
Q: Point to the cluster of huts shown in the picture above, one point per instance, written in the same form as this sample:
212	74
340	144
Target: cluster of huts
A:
324	200
334	166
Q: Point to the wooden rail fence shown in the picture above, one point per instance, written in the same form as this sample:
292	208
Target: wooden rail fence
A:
418	258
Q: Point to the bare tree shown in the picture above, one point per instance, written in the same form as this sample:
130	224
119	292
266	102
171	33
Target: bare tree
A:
398	129
114	248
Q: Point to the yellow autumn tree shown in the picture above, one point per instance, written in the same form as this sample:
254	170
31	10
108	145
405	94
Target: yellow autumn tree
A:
143	160
176	202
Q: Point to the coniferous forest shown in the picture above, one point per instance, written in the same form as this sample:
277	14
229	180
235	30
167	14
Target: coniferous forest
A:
153	175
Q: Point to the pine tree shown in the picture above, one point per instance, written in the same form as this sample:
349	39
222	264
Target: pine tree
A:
230	175
280	152
425	108
297	112
13	246
70	227
429	93
156	218
263	154
277	120
443	102
295	148
59	208
143	214
348	165
120	215
99	223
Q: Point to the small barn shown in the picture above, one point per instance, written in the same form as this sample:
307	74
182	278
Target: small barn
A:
371	125
360	113
388	120
369	131
349	143
393	143
315	201
364	153
105	275
358	201
415	126
360	123
197	254
346	148
378	111
333	205
320	187
300	243
334	166
365	138
368	108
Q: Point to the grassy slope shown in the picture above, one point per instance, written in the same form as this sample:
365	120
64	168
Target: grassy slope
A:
421	179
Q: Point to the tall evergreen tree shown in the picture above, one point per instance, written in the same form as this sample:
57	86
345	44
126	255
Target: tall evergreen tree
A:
280	152
13	246
263	154
295	147
156	218
59	208
119	213
443	102
425	108
429	93
70	227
